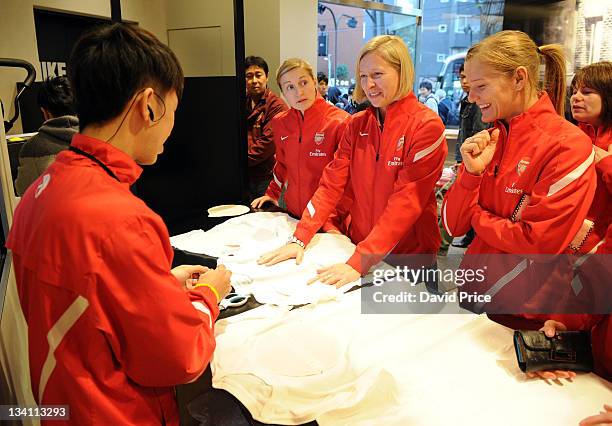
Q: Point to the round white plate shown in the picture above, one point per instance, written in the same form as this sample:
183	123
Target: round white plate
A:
227	210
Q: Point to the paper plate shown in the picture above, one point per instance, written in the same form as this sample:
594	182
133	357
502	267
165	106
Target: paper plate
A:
227	210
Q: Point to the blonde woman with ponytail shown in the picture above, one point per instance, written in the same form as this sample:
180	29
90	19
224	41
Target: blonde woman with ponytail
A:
526	184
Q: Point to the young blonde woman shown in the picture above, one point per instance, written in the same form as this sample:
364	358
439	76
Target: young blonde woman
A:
526	185
306	137
389	158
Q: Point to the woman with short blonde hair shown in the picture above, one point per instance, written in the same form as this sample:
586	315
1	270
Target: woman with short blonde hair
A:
388	162
393	50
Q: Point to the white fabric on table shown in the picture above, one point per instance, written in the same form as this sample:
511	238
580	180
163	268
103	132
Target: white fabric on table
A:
240	241
286	371
446	369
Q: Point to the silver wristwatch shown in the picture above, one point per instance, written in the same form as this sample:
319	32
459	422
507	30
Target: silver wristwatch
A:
297	241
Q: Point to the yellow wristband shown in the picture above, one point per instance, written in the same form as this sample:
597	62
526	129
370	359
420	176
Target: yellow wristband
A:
214	290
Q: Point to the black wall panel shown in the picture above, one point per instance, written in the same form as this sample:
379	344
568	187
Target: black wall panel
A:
204	158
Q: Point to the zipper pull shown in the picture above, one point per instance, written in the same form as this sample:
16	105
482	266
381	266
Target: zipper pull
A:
495	170
377	156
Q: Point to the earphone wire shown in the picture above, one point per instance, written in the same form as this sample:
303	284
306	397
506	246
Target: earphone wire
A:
128	111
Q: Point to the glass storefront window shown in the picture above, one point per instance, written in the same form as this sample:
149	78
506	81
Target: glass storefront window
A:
343	30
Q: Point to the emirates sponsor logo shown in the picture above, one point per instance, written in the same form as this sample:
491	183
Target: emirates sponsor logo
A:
396	162
513	190
399	144
319	138
522	166
318	153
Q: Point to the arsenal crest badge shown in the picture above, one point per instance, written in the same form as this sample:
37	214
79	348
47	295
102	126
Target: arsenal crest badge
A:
319	138
399	144
522	166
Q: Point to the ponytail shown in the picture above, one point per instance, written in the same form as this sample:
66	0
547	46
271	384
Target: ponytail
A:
507	50
554	76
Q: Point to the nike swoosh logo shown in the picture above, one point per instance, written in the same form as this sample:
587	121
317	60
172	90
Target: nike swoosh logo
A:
284	137
362	134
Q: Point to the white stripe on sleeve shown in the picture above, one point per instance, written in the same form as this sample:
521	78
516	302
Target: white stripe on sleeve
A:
425	152
571	176
311	208
204	309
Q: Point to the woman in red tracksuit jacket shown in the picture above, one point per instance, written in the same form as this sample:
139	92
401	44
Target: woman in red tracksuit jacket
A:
590	86
306	137
390	158
526	185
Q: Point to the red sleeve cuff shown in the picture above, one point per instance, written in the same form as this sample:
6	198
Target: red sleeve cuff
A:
355	262
362	262
303	235
469	181
271	193
210	299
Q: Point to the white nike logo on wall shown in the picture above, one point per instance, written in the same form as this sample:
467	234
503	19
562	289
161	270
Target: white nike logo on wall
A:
362	134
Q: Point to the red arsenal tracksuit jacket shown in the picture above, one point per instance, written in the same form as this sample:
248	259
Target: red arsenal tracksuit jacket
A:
305	144
391	171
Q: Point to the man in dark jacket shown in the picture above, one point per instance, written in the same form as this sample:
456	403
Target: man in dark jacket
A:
470	124
262	106
470	117
56	103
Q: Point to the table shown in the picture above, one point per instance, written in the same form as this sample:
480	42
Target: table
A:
447	368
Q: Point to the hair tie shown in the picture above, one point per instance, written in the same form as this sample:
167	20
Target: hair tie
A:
539	50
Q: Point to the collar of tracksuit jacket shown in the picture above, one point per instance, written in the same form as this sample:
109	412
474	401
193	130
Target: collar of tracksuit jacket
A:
600	138
122	165
316	110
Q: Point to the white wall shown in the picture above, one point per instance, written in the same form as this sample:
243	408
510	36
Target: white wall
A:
215	15
18	34
298	30
280	29
262	34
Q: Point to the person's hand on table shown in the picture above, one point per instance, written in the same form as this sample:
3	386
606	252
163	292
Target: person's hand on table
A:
550	329
219	279
337	275
258	203
288	251
184	273
603	418
477	151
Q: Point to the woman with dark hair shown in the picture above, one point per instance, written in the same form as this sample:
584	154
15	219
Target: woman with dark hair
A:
592	108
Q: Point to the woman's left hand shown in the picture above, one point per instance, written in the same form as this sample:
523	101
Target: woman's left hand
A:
337	275
600	154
